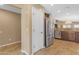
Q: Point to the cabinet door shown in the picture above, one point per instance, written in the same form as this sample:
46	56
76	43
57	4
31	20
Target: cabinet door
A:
77	36
72	36
64	35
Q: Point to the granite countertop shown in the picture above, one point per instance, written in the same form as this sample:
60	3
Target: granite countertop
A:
70	30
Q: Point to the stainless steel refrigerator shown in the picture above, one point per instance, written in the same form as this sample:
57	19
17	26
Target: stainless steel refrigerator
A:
49	31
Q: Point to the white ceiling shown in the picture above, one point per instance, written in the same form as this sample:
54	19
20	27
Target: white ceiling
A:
47	8
59	11
13	7
66	11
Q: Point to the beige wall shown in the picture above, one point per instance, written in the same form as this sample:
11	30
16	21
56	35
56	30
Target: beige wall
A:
21	5
17	5
10	27
26	30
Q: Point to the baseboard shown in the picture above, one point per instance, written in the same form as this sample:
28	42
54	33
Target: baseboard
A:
33	53
24	52
9	44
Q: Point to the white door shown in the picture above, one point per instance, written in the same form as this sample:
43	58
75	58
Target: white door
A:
37	29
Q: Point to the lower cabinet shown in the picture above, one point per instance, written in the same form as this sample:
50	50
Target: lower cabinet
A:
77	36
70	36
64	35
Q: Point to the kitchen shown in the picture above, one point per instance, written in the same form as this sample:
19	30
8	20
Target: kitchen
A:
66	18
67	30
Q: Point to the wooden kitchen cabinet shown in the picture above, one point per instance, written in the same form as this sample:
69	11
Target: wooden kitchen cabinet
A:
64	35
77	36
70	36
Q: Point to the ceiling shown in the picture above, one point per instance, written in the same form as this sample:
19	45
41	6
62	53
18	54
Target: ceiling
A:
66	12
59	11
17	7
47	7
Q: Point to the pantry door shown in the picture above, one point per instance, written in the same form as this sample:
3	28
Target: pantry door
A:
37	29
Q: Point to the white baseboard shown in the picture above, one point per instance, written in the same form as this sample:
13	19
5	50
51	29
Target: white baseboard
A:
37	51
25	52
9	44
